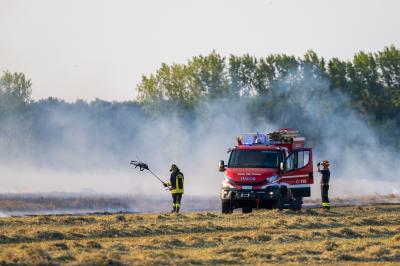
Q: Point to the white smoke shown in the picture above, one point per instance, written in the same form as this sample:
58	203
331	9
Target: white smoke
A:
80	151
360	165
3	215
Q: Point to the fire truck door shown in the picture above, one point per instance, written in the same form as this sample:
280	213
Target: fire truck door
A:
298	172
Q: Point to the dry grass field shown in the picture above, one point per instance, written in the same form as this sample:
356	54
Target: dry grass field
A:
345	235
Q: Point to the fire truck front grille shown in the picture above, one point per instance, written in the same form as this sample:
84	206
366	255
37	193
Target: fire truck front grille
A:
247	183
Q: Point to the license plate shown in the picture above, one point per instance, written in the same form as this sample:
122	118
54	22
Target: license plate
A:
245	195
247	187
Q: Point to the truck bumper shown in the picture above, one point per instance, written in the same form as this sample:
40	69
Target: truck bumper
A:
254	198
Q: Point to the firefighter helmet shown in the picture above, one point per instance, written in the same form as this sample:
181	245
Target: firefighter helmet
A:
325	163
174	168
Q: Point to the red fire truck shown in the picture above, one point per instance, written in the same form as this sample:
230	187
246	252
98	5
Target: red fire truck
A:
272	170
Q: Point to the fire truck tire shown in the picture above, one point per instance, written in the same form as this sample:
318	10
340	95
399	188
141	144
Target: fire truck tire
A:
280	201
226	206
247	210
296	204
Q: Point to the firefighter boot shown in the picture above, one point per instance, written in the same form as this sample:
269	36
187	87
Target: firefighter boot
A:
326	206
173	208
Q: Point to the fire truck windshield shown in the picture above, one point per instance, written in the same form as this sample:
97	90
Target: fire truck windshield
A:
254	159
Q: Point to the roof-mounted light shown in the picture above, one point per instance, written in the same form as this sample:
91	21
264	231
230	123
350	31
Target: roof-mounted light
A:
253	139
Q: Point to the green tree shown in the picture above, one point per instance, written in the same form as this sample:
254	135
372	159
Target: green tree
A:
168	88
314	64
184	85
207	76
370	81
16	86
366	89
388	61
15	92
15	120
337	72
242	71
284	65
250	76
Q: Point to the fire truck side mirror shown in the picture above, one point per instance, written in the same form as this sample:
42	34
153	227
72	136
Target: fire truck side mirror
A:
221	166
282	167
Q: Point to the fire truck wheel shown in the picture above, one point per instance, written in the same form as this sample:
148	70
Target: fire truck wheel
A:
280	201
226	206
296	204
247	210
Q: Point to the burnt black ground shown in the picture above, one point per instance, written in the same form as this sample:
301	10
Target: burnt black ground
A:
68	203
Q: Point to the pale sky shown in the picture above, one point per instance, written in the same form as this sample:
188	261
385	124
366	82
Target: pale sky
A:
86	49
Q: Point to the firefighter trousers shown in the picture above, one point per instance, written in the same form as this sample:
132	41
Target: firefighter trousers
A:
176	201
324	196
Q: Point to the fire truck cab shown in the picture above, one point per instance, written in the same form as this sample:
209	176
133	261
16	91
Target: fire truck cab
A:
269	171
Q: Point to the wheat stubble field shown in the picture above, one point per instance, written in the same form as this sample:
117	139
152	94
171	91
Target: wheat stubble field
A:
345	235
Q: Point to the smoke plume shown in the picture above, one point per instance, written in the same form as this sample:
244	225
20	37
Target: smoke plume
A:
83	147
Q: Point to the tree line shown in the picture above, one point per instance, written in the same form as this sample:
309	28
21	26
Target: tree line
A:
368	85
371	81
269	87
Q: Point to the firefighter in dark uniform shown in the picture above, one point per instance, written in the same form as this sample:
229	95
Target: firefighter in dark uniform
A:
175	185
325	176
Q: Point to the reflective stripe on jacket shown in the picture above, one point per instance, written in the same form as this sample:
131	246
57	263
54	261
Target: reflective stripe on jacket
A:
177	182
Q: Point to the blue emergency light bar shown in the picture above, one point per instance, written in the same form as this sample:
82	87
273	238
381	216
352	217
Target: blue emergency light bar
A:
283	136
254	139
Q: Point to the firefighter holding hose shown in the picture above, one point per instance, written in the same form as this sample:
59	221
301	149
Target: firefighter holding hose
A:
325	176
175	185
